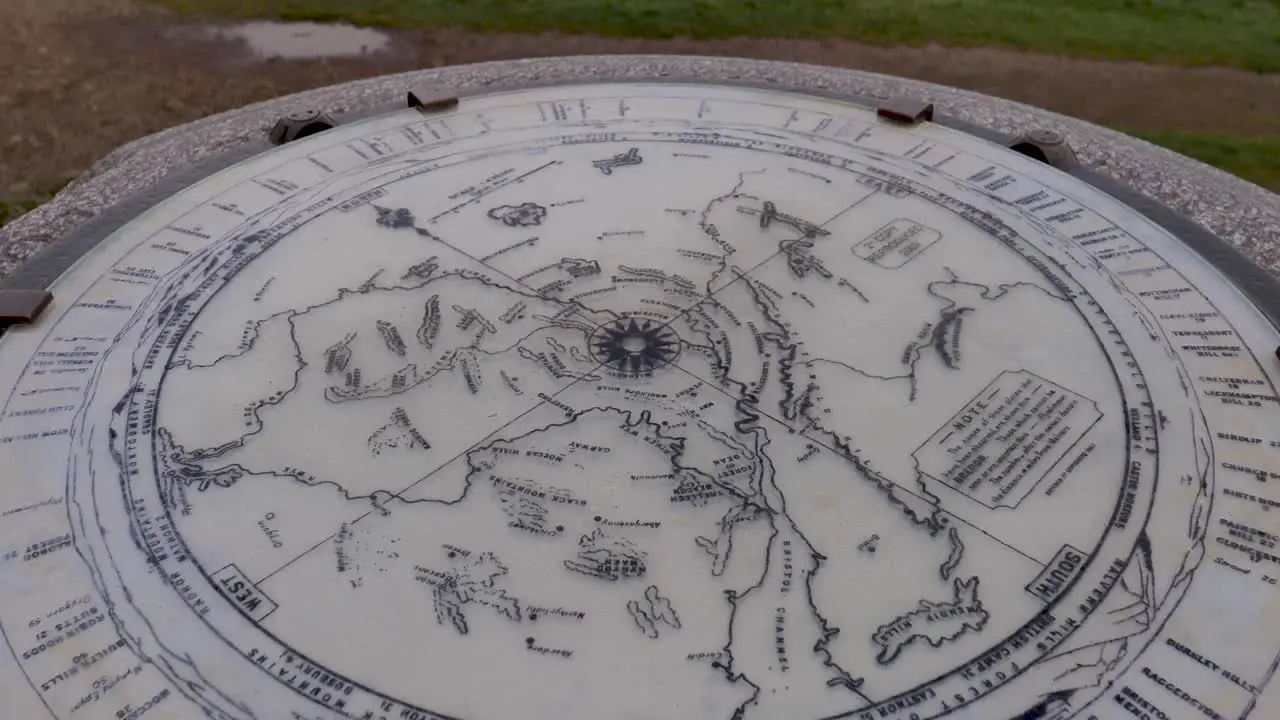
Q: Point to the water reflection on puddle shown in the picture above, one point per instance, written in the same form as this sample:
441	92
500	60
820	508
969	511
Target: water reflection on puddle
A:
304	39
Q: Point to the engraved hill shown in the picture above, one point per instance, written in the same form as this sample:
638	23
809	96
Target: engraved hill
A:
934	623
571	554
376	387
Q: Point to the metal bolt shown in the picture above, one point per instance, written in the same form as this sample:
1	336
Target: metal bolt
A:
432	99
1045	137
906	111
297	125
19	307
1047	146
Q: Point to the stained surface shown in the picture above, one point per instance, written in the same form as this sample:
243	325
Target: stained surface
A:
640	400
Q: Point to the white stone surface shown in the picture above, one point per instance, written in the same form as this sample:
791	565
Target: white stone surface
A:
640	400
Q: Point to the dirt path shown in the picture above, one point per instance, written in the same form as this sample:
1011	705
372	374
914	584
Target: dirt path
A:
80	77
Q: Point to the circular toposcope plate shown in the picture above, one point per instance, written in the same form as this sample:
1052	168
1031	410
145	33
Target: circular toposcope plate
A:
641	401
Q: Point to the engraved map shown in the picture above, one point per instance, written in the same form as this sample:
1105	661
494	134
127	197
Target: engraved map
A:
639	401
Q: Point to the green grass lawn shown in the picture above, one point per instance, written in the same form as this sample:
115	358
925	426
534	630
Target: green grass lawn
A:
1239	33
11	206
10	209
1256	159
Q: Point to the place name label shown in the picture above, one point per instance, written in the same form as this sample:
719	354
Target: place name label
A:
1058	574
999	445
241	591
897	243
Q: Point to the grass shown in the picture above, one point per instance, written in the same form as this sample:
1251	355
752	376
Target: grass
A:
1236	33
10	209
1256	159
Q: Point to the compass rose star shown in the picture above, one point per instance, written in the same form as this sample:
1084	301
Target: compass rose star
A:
635	347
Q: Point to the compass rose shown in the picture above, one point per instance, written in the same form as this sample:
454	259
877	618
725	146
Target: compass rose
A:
634	347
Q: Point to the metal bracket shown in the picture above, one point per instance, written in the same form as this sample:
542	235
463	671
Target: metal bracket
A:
19	307
296	126
1046	146
432	99
905	111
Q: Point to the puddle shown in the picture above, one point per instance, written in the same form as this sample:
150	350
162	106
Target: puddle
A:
305	39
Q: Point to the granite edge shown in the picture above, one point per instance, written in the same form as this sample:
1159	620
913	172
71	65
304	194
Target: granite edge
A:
1245	215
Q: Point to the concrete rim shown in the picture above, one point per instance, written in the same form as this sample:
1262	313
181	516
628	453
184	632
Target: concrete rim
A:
1245	215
